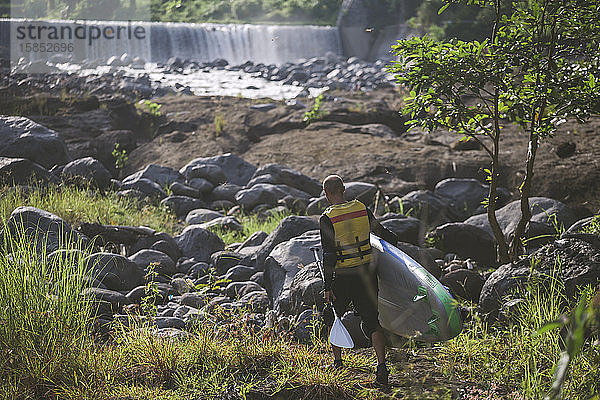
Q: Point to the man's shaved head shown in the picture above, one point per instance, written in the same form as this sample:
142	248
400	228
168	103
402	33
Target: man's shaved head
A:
333	184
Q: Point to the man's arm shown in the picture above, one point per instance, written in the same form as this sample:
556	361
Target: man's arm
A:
329	253
380	230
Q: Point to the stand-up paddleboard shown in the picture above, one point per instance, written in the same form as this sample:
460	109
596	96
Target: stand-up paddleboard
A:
411	301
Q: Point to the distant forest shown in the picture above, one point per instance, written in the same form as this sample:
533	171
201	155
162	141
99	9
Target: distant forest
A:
458	21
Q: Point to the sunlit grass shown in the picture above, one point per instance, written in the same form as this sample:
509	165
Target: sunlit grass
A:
76	205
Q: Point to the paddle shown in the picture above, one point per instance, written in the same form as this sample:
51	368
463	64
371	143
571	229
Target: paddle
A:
339	335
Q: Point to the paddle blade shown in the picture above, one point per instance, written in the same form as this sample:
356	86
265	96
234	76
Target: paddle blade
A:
339	336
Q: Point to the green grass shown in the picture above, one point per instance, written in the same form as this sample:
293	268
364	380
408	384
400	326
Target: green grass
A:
77	205
515	356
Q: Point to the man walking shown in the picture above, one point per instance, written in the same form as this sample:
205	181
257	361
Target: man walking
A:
345	229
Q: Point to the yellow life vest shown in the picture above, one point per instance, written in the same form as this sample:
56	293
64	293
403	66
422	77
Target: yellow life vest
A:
351	228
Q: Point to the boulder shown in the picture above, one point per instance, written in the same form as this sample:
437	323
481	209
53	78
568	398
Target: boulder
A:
182	286
210	172
180	189
423	256
161	263
254	241
433	210
19	171
305	290
87	170
289	227
235	289
199	243
543	211
116	299
201	185
181	205
466	195
266	193
224	260
114	270
362	191
308	323
168	247
582	224
256	301
464	283
468	241
571	262
195	300
20	137
146	186
201	215
408	229
277	174
317	205
240	273
225	191
224	224
237	170
162	176
283	262
48	231
65	257
198	270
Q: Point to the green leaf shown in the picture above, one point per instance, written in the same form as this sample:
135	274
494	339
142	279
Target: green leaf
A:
443	8
548	326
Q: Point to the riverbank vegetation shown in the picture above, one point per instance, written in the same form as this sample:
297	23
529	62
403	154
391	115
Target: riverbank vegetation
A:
48	351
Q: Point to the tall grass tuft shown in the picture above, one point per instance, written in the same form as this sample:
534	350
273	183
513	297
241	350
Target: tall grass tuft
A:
44	322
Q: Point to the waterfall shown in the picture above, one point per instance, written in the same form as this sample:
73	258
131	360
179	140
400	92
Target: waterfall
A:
236	43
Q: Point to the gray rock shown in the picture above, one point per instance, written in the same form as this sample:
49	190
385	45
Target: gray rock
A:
288	228
202	185
307	324
88	170
116	299
115	271
224	260
209	172
65	257
282	263
161	263
580	225
378	130
235	169
225	191
20	137
195	300
259	278
543	211
429	208
254	241
317	206
240	273
146	186
162	176
240	289
19	171
46	230
277	174
266	193
199	243
168	247
468	241
365	192
579	266
133	195
181	189
466	195
169	322
408	229
464	283
198	270
256	301
182	286
423	256
181	205
305	290
224	224
263	107
201	215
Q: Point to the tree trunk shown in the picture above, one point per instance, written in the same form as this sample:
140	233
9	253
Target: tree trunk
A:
516	245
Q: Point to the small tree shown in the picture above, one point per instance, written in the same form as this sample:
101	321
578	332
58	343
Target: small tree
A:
537	69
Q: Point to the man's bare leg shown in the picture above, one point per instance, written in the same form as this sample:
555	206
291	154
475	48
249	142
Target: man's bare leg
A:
378	340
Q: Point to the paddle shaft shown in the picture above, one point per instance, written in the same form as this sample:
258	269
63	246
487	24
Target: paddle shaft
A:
315	251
